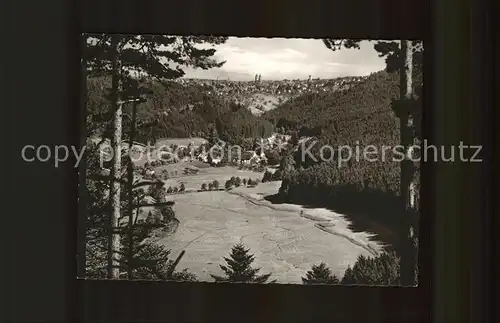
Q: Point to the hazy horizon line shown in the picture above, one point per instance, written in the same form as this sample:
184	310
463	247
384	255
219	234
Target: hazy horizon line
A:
272	80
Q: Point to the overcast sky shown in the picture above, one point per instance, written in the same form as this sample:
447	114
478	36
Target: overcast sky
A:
282	58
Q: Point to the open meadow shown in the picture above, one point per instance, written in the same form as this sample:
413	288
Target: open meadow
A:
285	241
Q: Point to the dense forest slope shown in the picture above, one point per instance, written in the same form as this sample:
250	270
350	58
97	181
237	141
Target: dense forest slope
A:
360	116
178	111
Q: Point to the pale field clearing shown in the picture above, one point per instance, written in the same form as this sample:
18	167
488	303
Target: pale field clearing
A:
284	242
259	103
196	141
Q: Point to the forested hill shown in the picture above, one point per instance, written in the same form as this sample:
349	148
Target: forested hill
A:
361	114
342	115
175	110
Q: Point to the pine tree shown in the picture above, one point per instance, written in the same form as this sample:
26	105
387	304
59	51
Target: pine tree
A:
213	136
209	157
381	270
407	58
95	215
239	268
83	193
294	139
150	219
408	253
287	164
168	214
122	56
320	274
146	258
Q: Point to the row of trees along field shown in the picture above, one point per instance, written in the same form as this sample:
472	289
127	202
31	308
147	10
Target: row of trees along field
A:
383	110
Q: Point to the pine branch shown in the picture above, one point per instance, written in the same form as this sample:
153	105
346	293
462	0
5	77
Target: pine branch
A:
147	183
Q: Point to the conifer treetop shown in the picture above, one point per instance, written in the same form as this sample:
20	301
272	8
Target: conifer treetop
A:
320	274
238	269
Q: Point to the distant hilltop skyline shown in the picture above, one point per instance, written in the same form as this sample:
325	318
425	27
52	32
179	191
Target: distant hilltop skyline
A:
285	58
263	80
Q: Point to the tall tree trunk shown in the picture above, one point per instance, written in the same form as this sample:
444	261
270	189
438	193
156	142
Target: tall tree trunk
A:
171	270
82	173
408	254
115	189
130	176
137	211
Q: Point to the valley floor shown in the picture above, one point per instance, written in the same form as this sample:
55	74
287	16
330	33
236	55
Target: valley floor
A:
285	242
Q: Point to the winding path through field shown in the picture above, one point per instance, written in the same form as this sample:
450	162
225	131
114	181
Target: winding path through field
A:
284	243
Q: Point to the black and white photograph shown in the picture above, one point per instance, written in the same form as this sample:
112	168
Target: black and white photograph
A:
250	160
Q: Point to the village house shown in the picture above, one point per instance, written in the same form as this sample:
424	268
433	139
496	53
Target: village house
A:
251	158
204	157
247	156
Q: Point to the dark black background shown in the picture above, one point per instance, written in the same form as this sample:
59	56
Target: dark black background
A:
41	92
